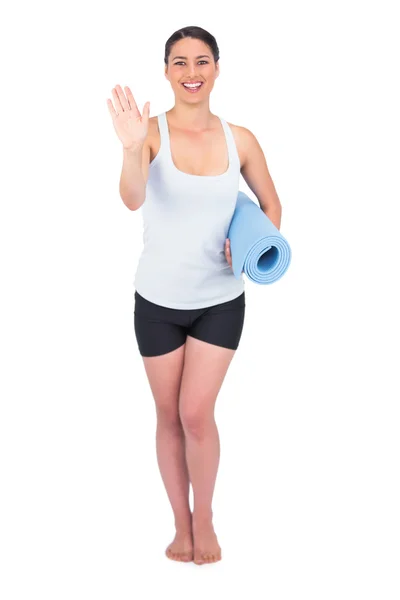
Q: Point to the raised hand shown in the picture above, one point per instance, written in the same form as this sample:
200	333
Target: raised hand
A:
131	127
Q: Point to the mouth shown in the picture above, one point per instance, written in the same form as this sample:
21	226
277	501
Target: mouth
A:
192	88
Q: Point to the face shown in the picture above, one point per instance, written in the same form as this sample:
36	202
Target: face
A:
197	65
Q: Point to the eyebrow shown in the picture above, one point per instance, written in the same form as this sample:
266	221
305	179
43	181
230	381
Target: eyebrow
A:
185	57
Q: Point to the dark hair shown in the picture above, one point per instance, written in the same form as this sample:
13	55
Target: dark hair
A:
192	32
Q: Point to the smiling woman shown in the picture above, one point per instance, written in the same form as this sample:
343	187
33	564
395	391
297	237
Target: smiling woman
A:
182	167
198	70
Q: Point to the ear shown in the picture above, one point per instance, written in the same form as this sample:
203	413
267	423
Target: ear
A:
217	70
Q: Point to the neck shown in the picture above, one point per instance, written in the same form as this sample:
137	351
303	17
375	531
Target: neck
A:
191	116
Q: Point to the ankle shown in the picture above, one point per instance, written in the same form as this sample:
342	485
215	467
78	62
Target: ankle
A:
183	523
202	517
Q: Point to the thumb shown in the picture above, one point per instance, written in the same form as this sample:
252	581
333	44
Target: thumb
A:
146	111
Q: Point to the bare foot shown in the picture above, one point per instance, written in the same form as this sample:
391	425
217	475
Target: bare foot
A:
206	547
181	548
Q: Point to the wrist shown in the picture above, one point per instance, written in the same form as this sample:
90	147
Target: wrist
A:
133	149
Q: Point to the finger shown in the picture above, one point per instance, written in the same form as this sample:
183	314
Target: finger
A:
124	101
111	108
132	101
146	113
119	96
117	102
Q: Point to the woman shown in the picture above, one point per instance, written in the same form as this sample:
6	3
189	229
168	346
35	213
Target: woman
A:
189	307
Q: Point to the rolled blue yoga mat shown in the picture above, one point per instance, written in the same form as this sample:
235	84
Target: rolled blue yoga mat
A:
257	246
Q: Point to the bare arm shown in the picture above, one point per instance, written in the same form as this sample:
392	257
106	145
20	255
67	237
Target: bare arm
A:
257	176
132	185
132	130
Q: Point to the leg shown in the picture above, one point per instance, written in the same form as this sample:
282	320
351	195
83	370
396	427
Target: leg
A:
164	374
162	346
205	368
210	346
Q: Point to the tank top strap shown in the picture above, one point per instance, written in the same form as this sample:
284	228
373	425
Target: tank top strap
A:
163	128
230	140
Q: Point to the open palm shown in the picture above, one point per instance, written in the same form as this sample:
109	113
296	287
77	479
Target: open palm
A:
131	127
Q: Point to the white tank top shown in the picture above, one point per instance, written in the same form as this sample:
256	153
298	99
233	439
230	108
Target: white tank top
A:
185	224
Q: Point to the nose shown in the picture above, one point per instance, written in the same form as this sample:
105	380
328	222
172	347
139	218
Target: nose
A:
191	70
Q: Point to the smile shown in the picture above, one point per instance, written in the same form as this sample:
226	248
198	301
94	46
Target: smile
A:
192	87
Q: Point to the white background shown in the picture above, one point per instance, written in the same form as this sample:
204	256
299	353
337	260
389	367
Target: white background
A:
307	498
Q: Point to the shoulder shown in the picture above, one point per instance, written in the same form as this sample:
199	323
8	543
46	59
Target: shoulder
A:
242	135
245	141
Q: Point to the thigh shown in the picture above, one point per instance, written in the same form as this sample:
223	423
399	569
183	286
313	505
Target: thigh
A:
156	334
205	367
221	324
164	373
162	347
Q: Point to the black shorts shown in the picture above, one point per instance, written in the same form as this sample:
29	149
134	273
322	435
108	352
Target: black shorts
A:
160	329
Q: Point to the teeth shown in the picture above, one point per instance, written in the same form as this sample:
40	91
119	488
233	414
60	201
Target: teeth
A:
192	85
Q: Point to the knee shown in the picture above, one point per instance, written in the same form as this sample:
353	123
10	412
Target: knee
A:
168	416
195	422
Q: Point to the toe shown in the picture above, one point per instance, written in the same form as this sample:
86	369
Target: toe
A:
179	556
188	557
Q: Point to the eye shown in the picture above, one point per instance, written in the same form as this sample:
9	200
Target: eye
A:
181	62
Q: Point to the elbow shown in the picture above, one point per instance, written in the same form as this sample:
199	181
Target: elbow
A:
132	203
